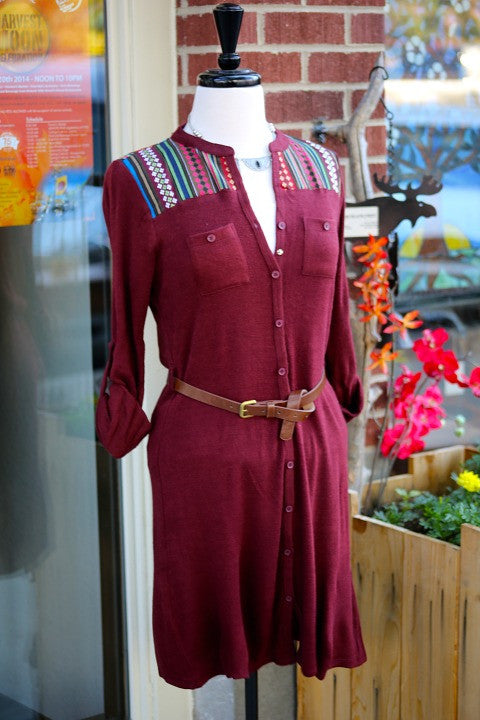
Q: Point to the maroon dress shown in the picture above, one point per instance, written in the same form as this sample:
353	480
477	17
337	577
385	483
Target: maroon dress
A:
250	532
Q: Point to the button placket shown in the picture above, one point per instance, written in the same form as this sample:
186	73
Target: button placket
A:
280	367
281	360
289	494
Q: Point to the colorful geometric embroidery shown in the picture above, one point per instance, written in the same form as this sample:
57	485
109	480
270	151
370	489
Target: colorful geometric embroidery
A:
168	172
305	165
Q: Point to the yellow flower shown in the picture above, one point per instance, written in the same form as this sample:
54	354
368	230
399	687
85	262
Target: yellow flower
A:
469	480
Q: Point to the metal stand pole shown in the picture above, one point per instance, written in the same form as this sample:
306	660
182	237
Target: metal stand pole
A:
251	697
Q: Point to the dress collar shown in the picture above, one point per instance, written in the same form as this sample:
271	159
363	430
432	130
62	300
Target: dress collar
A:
280	142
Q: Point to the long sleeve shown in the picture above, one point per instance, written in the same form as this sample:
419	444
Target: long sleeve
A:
120	420
340	360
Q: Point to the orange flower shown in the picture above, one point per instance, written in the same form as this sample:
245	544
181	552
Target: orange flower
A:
378	270
377	310
402	324
382	357
373	247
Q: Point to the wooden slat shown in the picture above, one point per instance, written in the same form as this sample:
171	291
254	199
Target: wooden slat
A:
377	575
431	469
469	625
429	628
405	481
328	699
470	450
420	620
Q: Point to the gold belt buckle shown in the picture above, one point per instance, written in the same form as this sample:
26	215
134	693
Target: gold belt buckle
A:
242	412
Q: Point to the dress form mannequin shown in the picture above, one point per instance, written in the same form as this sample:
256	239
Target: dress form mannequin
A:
233	114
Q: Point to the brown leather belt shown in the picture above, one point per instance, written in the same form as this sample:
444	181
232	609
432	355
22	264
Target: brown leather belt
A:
298	406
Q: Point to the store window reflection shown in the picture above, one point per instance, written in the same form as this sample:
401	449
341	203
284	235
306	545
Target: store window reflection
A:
433	91
53	277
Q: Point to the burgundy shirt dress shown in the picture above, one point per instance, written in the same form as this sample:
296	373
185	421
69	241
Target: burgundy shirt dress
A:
250	532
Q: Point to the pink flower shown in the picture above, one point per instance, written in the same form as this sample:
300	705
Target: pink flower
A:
442	363
474	381
430	342
411	442
426	410
462	380
406	383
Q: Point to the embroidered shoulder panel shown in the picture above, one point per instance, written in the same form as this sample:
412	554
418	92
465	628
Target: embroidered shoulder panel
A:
168	173
306	165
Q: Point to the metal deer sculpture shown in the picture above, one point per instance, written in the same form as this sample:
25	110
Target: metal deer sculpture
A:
391	211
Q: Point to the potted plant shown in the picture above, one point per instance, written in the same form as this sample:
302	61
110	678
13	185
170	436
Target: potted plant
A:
440	516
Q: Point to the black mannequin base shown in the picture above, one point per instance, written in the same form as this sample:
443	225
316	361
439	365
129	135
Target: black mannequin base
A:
229	78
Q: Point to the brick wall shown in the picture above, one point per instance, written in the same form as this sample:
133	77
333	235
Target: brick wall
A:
314	57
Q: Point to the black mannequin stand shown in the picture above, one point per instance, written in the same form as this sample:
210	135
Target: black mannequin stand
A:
228	19
251	697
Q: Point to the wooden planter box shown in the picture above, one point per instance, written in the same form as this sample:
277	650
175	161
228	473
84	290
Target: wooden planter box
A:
419	602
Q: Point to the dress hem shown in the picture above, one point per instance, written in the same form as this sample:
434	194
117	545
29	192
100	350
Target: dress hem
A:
348	663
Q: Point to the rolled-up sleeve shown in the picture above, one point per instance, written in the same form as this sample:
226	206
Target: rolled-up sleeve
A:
340	359
120	420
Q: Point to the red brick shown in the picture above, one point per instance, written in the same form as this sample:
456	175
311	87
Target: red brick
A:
340	67
303	28
379	111
294	132
376	137
184	107
196	30
196	3
200	62
372	432
333	143
379	168
363	3
343	182
304	105
179	70
273	67
368	28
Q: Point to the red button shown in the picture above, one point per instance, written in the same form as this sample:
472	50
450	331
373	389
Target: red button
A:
279	323
282	225
275	273
290	464
287	551
288	598
281	371
211	237
326	225
288	508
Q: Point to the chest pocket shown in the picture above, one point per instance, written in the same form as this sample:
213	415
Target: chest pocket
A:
218	259
320	249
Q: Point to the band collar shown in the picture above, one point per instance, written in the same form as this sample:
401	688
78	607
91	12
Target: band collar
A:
280	142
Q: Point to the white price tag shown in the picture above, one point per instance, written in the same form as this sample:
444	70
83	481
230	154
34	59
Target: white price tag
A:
361	221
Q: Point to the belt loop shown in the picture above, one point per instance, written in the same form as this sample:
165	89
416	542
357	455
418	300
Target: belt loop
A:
288	426
170	378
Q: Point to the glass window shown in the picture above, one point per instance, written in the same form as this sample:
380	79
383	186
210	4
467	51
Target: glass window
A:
433	62
60	635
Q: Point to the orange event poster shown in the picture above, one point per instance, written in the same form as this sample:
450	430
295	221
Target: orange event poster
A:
45	101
